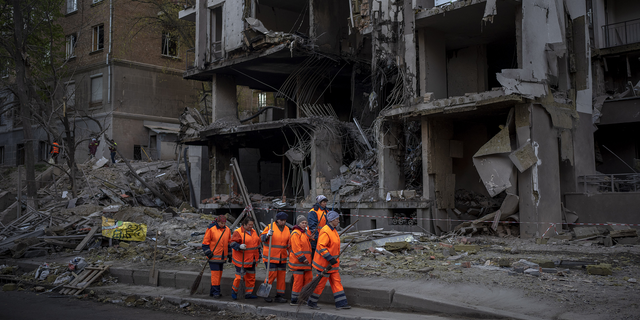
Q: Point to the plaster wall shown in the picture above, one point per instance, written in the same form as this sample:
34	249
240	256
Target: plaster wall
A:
433	63
391	175
224	97
473	137
282	20
329	24
467	70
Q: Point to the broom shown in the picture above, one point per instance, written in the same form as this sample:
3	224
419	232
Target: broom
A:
308	289
196	283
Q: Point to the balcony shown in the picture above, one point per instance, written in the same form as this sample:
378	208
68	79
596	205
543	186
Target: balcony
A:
621	33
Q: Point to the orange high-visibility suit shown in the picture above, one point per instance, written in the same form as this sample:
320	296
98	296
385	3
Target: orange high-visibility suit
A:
278	256
299	261
251	256
328	249
211	236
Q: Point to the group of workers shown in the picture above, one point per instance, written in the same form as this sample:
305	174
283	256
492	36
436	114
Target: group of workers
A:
314	243
93	147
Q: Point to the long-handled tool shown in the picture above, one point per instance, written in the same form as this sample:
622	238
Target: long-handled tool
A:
242	270
153	274
308	289
265	288
196	283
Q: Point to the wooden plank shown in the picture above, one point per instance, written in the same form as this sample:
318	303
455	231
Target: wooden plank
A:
95	275
90	235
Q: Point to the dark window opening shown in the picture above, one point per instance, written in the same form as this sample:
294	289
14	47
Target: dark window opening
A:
137	152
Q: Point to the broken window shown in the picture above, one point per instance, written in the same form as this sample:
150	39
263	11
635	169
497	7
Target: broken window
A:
72	6
262	99
71	46
216	33
169	45
137	152
97	39
96	88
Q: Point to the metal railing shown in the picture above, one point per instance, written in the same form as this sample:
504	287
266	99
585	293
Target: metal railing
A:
621	33
607	183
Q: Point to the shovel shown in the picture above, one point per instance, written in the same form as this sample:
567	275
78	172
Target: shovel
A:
153	274
265	287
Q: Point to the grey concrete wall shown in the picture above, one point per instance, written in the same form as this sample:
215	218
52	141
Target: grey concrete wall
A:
326	159
433	63
539	187
622	10
381	218
224	99
391	174
583	155
467	70
606	207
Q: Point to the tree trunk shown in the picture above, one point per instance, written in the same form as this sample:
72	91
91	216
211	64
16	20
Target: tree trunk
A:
22	74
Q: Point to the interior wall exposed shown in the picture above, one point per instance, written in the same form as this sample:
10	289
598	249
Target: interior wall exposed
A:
329	24
622	10
283	20
473	136
624	141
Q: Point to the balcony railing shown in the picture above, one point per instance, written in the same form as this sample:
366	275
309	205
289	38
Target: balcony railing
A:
621	33
607	183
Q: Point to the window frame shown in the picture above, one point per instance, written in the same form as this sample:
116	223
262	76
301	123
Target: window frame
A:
96	102
67	84
71	9
167	40
96	44
71	45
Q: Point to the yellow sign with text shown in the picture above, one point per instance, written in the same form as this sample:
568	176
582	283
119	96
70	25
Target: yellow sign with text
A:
122	230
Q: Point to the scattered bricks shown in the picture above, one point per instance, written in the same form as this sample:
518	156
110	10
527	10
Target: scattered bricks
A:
446	245
430	258
599	269
466	264
470	248
9	287
504	262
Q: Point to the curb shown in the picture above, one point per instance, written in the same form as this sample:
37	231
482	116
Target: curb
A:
375	297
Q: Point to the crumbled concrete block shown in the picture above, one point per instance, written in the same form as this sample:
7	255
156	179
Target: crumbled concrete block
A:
546	264
408	194
585	232
504	262
532	271
608	241
524	157
627	240
562	237
599	269
12	287
39	289
126	245
470	248
632	280
542	240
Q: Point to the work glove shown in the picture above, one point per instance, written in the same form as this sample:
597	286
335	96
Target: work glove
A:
209	254
243	246
270	233
333	261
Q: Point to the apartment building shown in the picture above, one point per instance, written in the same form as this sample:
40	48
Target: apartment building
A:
123	71
411	114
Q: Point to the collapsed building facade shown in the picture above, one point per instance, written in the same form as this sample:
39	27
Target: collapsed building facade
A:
402	113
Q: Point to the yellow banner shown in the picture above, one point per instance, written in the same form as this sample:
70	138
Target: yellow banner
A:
122	230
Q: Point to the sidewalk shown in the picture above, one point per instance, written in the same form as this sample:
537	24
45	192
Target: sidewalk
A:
420	297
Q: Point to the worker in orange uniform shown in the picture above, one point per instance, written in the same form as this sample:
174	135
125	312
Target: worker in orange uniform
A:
245	243
55	152
317	219
217	255
300	258
277	258
328	250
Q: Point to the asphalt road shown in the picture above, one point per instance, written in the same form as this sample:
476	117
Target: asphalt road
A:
18	305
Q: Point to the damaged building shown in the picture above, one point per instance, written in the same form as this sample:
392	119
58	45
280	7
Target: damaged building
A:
413	115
